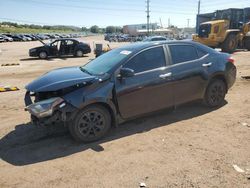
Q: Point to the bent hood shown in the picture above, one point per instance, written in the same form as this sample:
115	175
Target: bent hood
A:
59	79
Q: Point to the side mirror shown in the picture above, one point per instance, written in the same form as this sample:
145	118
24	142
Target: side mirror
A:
126	72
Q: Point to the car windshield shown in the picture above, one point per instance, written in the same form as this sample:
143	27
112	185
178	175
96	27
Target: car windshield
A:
104	63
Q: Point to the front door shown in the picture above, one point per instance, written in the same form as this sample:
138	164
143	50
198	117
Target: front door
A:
150	89
54	48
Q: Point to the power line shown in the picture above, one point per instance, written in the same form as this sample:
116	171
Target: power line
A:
82	7
99	8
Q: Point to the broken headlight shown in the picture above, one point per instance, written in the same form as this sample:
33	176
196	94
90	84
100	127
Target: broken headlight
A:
44	108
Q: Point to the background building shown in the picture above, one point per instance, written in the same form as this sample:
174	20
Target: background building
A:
135	28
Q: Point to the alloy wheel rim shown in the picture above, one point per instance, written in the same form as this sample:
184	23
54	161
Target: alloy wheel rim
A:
91	124
216	94
42	54
79	53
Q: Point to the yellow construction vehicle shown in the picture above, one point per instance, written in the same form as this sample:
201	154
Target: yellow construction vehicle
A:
228	34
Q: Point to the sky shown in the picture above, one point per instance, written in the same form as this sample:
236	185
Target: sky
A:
85	13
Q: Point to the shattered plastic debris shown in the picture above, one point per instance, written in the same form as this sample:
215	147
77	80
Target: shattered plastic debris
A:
142	184
238	169
245	124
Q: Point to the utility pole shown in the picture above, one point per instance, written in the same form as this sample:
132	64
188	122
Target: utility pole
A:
161	23
199	6
197	16
147	1
168	22
188	22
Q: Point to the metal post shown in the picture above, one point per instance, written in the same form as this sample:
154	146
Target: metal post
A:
197	19
147	17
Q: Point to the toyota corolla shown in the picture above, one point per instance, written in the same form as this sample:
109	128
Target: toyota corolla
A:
128	82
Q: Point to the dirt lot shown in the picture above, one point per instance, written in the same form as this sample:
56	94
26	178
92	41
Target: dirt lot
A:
190	147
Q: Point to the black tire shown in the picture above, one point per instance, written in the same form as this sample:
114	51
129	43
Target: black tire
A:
79	53
246	42
230	44
90	124
215	93
43	55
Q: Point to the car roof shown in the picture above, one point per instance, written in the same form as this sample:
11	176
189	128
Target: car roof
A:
157	37
138	46
66	39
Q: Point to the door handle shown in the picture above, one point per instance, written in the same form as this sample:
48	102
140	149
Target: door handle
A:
207	64
163	76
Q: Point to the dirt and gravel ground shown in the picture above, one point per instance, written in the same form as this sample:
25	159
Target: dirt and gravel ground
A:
192	146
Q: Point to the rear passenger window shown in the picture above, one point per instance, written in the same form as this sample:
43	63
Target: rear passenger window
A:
201	52
183	53
147	60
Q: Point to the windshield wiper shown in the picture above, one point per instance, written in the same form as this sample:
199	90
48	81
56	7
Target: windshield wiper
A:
85	70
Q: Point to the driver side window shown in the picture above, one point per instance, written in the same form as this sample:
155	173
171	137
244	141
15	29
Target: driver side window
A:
147	60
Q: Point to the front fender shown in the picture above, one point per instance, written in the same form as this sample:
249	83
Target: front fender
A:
92	94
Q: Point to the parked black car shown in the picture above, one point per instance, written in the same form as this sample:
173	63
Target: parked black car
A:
128	82
60	47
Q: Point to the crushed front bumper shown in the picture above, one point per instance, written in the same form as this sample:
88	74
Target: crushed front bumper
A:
61	114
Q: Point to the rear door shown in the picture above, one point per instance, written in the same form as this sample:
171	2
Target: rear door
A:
69	47
150	89
189	72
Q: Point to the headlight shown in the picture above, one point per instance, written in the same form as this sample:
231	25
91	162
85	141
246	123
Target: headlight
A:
32	50
44	108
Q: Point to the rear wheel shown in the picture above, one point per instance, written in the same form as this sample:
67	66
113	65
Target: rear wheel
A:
90	124
230	44
215	93
79	53
43	55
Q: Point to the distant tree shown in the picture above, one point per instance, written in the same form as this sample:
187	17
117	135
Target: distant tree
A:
102	30
46	27
110	29
84	29
118	29
113	29
94	29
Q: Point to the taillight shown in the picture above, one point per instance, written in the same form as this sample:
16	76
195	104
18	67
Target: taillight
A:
231	60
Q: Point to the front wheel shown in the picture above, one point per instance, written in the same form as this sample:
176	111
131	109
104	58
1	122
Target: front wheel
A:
43	55
90	124
215	93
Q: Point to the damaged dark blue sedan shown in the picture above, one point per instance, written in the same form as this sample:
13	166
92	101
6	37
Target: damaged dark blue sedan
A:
128	82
